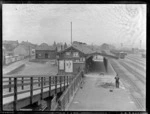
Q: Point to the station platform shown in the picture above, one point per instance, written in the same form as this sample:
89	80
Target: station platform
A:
98	93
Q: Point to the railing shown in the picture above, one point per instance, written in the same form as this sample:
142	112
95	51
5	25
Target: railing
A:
69	92
12	59
16	85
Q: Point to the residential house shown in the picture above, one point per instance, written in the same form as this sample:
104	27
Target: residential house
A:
13	43
22	50
45	51
9	47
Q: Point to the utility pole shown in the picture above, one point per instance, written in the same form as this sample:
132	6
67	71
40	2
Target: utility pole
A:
71	33
29	50
140	43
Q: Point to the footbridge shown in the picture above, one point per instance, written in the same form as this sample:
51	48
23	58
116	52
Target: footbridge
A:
21	91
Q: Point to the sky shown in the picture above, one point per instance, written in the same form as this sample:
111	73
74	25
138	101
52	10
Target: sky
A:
91	23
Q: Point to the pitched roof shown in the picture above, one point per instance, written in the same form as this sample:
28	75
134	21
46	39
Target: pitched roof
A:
82	48
27	44
24	46
10	42
44	47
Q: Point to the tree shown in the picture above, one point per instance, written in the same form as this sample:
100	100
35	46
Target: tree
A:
61	47
54	44
65	45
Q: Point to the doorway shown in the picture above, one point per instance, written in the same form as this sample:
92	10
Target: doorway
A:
46	55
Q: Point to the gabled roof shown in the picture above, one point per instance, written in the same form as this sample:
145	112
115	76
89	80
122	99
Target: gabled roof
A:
88	50
44	47
27	44
24	46
82	48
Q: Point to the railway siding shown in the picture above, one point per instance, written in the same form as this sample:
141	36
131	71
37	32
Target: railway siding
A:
138	66
133	59
135	85
139	74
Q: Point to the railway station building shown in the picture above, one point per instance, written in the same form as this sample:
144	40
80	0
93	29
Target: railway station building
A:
79	57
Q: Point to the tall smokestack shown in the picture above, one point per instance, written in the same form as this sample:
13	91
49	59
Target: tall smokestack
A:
71	33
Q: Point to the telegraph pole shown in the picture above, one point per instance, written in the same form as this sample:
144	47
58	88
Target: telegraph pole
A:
140	43
71	33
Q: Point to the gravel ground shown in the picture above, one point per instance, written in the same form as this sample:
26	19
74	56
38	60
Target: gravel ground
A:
37	68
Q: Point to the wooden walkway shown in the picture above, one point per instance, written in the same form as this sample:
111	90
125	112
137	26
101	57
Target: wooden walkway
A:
18	88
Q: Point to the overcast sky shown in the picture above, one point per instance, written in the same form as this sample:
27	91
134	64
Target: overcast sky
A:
91	23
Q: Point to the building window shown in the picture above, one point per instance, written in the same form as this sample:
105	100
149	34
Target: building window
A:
75	54
83	59
77	60
68	53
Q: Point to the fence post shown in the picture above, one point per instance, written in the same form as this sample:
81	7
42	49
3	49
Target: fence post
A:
41	88
64	83
55	84
68	94
15	94
10	84
44	80
39	80
75	81
31	89
74	85
49	86
67	81
22	83
60	83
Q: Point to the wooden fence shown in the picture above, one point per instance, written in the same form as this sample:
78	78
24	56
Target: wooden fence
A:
69	92
15	85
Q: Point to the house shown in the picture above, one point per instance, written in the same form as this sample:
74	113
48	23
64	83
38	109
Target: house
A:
12	43
45	51
22	50
9	47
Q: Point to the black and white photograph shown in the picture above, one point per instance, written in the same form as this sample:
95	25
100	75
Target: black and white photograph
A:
74	57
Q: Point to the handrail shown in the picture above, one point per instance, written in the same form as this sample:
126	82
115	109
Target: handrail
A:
20	76
68	93
32	83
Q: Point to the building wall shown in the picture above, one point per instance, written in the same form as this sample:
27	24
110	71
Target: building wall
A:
63	55
21	51
77	61
77	65
40	54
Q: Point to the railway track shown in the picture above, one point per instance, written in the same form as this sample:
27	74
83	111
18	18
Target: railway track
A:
132	71
138	58
135	65
141	63
139	103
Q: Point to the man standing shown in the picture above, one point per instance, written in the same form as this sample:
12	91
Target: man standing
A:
117	81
